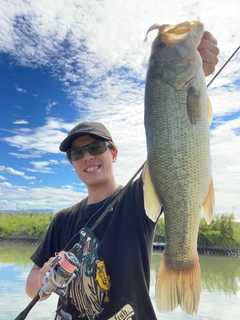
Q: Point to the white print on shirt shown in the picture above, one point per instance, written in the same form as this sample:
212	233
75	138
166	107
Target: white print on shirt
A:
125	313
90	288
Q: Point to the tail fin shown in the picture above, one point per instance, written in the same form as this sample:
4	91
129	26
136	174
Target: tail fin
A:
178	287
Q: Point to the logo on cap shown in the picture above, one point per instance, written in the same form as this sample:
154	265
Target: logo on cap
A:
84	129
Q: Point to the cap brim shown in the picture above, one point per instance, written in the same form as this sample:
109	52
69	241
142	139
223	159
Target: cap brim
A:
67	143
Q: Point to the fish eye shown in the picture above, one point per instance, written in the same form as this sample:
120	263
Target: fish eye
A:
160	45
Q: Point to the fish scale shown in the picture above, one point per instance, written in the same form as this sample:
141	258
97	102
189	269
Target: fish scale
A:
178	171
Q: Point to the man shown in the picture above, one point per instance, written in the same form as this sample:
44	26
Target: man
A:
114	270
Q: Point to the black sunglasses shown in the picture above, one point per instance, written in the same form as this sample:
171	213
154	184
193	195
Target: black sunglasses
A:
94	148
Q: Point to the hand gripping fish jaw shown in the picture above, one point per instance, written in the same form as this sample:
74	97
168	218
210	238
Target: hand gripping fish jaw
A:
172	50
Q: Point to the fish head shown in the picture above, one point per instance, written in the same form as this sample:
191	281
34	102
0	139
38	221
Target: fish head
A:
174	55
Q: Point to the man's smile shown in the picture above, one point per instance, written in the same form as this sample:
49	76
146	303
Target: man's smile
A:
91	169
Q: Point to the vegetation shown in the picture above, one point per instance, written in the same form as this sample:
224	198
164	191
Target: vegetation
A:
222	231
24	224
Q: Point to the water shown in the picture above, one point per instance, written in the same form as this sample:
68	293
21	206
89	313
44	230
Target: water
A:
220	297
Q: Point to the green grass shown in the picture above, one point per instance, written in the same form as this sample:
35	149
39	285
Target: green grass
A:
24	224
222	231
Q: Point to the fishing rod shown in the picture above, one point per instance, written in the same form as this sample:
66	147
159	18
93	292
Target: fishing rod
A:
223	66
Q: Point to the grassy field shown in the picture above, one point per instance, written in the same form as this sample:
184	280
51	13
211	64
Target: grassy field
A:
24	224
222	231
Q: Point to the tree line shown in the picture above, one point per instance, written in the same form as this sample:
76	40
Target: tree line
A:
222	231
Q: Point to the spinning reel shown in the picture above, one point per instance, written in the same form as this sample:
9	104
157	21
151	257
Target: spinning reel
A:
62	271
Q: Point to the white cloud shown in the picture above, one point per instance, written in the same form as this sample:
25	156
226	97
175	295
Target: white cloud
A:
39	198
53	161
26	156
99	47
18	107
67	187
21	90
16	172
40	166
21	190
50	105
6	184
20	122
41	139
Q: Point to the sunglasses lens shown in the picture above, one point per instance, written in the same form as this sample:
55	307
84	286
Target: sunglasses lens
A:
94	148
97	147
75	153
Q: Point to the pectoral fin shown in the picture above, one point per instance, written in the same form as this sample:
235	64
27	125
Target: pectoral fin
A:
208	205
152	204
193	105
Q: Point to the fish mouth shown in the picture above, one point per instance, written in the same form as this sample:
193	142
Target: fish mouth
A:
178	32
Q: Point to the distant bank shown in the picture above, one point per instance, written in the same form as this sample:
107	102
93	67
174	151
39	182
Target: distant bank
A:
220	237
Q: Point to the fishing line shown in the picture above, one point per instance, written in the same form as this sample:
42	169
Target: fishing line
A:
223	66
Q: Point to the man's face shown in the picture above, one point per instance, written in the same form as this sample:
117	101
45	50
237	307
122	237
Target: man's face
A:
94	170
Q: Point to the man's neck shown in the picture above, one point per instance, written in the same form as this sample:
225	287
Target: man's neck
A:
99	193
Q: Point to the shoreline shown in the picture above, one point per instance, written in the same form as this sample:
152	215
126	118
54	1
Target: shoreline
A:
158	246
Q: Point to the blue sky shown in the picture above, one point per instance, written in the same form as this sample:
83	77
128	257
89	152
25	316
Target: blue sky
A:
62	62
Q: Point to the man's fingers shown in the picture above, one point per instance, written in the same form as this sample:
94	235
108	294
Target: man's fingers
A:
209	51
208	57
209	46
208	36
44	270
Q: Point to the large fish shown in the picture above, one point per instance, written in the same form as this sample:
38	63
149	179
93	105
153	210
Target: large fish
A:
178	172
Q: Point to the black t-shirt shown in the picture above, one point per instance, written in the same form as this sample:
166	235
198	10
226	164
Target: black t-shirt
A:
114	271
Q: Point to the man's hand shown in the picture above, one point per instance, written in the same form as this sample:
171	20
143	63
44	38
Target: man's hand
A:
209	51
35	277
44	270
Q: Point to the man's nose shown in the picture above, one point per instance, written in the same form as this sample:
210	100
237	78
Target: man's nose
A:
87	155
